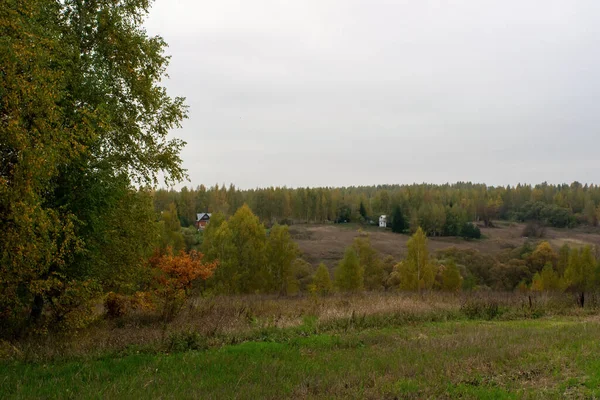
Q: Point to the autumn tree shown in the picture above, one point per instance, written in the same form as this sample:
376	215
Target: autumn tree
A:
302	276
370	263
281	253
451	278
542	255
537	285
416	272
550	279
240	245
349	275
210	240
170	230
322	280
563	259
176	274
81	110
580	272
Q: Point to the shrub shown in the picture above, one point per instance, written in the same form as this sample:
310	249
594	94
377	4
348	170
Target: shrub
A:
175	275
470	231
186	341
534	229
480	309
116	305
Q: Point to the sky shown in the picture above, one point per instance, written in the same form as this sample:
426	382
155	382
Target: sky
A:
348	92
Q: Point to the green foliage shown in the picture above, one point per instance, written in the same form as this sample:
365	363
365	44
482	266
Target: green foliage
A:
281	253
506	276
302	274
451	278
370	263
186	341
581	270
550	279
541	256
240	245
548	214
249	260
399	224
344	214
362	210
171	235
481	309
322	280
455	220
417	272
470	231
82	115
349	275
438	209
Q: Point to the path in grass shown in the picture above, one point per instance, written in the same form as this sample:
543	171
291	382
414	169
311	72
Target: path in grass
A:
513	359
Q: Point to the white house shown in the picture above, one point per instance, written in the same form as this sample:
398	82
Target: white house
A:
382	221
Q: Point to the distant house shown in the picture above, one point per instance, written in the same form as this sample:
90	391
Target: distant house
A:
202	220
382	221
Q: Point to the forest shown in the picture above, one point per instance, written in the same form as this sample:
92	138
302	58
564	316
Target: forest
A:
438	209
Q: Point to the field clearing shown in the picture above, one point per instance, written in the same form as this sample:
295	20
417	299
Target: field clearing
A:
326	243
543	358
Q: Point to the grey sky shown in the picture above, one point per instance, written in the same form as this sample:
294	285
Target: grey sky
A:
337	93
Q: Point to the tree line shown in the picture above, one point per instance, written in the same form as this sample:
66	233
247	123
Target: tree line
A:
254	259
440	210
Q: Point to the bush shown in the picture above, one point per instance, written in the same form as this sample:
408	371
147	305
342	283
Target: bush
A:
116	305
175	275
470	231
481	309
549	214
186	341
534	229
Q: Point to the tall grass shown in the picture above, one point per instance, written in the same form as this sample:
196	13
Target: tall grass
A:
214	321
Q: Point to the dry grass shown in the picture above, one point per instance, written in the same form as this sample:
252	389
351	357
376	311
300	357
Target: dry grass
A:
222	320
327	242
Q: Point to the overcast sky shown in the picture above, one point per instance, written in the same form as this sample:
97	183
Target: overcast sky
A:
344	92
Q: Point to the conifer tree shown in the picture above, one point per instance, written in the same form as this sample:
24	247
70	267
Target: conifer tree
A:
550	279
451	278
370	263
349	274
281	253
416	272
399	224
362	210
322	280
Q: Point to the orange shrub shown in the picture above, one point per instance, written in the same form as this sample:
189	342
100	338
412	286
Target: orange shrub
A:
180	271
175	277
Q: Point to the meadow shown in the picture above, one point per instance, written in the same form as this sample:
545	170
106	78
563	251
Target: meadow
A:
372	345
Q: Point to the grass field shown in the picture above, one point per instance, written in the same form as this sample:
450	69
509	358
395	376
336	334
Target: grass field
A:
543	358
328	242
390	345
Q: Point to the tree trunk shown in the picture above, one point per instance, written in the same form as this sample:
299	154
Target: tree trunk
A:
582	299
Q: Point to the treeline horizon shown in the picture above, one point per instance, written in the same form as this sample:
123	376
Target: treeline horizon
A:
439	209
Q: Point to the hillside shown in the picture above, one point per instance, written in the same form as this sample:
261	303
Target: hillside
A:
326	243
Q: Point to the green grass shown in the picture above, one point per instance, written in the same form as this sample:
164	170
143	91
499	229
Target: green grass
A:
543	358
